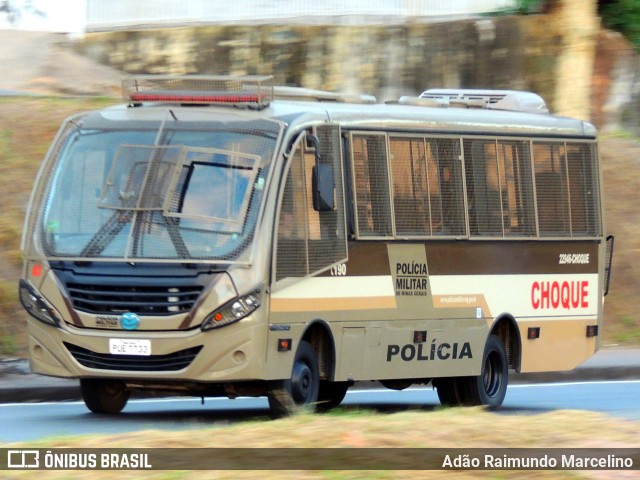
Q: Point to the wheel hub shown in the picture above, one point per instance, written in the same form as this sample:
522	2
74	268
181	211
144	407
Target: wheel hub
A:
301	382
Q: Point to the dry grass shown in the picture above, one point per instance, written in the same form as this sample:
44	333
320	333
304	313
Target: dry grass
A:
446	428
620	160
27	126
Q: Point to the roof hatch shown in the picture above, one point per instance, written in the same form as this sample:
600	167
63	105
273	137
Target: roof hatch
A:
492	99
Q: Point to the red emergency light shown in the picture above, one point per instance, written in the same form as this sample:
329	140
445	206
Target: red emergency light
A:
192	98
254	90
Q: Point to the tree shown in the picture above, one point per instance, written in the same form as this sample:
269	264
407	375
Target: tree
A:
14	12
624	17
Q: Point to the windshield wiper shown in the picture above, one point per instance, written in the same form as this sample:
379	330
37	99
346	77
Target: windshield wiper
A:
108	231
172	225
112	228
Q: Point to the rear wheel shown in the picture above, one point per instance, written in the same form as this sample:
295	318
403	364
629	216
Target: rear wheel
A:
104	396
490	387
446	388
301	391
487	389
331	394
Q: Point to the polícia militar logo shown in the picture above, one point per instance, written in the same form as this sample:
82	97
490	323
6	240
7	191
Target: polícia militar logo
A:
129	321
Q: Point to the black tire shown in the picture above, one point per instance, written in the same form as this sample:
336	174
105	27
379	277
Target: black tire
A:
487	389
491	384
446	389
490	387
331	395
104	396
300	392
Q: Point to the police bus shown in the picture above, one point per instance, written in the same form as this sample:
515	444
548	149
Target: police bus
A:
219	236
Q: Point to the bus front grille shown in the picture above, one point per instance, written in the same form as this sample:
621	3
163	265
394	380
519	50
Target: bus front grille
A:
143	300
134	363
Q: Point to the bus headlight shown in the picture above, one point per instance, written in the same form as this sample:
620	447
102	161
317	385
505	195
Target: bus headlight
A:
233	311
36	306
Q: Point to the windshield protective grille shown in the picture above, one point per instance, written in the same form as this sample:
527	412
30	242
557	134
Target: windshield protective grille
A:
172	191
161	196
182	182
140	177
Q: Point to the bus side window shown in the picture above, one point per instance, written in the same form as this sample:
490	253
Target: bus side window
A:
371	178
499	188
516	188
292	240
551	189
449	204
427	186
583	189
483	188
412	188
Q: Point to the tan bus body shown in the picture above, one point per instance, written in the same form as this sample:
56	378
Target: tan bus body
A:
292	246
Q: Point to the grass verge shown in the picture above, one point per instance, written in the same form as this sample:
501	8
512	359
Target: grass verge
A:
441	428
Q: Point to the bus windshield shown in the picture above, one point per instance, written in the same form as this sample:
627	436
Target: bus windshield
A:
168	192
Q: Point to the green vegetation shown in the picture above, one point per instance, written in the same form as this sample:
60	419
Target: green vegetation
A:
520	7
529	6
624	17
620	15
629	331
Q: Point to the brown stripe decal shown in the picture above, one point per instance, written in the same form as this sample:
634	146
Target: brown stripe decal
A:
491	257
534	257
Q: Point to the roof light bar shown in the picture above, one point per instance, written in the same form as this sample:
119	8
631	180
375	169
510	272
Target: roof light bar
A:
207	90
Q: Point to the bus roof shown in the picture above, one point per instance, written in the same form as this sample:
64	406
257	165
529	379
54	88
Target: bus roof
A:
449	120
299	108
376	117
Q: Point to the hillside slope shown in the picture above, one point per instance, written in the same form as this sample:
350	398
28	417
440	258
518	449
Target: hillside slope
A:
42	62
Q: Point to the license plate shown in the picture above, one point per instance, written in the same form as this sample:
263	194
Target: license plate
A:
122	346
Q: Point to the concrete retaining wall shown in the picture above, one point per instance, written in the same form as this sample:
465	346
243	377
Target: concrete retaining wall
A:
547	54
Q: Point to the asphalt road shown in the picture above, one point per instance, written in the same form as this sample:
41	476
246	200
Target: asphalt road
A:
54	419
18	384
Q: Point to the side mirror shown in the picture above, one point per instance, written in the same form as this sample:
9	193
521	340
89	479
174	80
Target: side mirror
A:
323	188
323	183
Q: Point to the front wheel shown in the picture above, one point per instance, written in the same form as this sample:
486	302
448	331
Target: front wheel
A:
104	396
301	391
